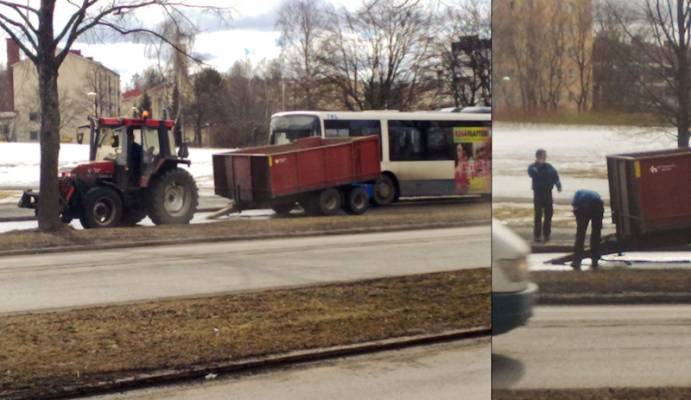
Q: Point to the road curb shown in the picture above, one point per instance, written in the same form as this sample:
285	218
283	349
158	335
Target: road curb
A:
348	231
254	364
613	299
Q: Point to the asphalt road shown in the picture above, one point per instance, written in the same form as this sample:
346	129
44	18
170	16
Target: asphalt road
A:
457	370
64	280
596	347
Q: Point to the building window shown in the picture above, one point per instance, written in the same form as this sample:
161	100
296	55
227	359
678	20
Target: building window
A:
33	136
34	116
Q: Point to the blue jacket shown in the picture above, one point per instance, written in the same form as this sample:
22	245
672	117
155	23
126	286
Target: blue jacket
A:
544	176
585	199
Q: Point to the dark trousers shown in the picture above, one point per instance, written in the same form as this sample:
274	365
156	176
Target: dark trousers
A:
542	203
583	217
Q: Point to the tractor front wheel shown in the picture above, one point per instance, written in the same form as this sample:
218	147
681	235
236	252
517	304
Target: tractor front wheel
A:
102	208
173	197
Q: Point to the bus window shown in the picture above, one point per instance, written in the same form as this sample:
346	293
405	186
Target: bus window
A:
345	128
421	140
405	141
286	129
439	143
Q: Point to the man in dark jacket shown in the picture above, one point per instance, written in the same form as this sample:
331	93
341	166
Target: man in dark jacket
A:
545	177
587	206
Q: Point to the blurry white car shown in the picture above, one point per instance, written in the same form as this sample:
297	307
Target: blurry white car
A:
513	295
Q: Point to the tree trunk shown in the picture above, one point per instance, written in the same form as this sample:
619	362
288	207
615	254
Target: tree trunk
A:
683	136
49	200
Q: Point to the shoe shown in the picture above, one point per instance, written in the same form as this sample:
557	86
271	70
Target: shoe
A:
537	240
595	266
547	238
576	266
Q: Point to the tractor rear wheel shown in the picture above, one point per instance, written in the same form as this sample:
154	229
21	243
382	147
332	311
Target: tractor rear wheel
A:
173	197
357	201
102	208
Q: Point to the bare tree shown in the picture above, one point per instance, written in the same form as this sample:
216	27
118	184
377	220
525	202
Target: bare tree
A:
659	33
206	107
47	45
302	24
377	57
581	32
554	78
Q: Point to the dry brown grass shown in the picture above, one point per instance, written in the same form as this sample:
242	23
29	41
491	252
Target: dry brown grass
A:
594	394
41	353
383	219
613	281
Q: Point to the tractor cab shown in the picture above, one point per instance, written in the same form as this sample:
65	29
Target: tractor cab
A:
133	172
136	147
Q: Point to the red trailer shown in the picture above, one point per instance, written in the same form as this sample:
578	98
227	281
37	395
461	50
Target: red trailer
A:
650	198
322	175
650	192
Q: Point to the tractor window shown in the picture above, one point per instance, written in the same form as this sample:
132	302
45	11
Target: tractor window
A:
151	144
109	146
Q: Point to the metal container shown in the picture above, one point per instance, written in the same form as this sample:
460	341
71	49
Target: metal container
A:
650	193
254	177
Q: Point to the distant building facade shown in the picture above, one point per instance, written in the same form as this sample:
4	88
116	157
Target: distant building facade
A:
85	87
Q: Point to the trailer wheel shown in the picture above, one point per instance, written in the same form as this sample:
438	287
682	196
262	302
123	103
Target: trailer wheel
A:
133	216
329	201
384	191
102	208
173	198
357	201
283	208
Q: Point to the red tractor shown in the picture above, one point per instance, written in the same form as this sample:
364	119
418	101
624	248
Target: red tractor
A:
133	172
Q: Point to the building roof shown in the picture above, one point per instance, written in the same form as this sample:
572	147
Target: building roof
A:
76	53
133	93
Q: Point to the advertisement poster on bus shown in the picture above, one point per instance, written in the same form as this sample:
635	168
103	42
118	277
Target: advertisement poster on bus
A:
473	160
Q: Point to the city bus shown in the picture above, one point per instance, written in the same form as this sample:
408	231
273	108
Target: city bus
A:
423	154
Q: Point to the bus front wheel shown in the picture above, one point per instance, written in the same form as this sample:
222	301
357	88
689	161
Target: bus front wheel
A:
384	191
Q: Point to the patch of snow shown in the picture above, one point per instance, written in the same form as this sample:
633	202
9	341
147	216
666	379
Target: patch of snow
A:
19	164
578	152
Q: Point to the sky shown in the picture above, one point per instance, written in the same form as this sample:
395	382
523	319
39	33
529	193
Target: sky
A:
250	33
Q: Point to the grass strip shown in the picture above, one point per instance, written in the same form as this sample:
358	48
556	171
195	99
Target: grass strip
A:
613	286
403	216
669	393
42	353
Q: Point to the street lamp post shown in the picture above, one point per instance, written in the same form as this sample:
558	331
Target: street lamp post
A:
95	96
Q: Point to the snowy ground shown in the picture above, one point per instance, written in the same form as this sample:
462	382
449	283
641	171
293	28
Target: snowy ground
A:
578	153
644	260
19	166
199	218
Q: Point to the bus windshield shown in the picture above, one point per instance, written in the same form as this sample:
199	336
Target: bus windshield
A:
286	129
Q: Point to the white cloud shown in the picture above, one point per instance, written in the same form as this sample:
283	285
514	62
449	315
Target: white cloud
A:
223	47
226	47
